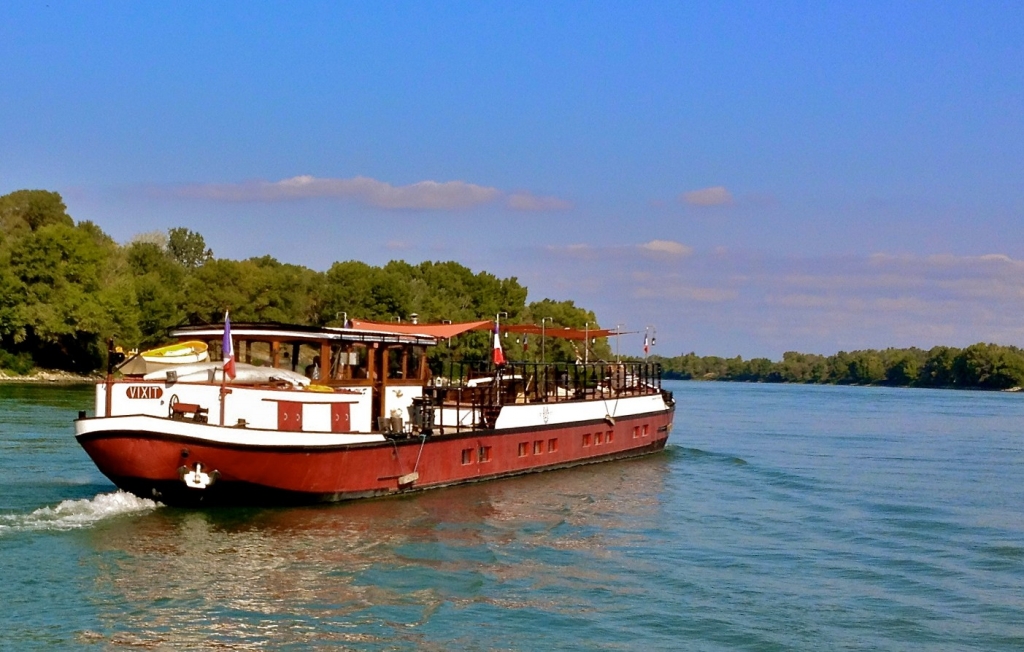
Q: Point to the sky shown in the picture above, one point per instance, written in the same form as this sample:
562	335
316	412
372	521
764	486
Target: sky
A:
744	178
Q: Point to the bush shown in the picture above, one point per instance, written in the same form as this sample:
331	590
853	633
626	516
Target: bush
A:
20	363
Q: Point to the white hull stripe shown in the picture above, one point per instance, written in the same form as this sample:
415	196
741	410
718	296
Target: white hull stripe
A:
219	434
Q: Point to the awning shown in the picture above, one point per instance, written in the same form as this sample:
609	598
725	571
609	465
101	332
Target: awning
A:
443	331
564	332
440	331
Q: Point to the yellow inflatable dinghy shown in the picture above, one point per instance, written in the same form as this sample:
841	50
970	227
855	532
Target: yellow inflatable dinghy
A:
181	353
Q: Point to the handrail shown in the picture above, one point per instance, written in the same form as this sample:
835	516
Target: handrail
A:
482	389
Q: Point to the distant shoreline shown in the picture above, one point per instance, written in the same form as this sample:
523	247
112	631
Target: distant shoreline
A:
788	382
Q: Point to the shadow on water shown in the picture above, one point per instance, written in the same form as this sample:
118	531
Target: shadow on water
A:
71	396
401	569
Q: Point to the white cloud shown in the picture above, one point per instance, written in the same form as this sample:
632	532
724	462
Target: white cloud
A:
667	247
423	195
740	303
714	196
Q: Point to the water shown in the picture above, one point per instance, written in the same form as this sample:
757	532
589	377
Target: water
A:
780	518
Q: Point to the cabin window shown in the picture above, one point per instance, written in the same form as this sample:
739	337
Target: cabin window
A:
309	363
586	440
608	436
343	360
597	439
358	361
645	433
257	353
484	454
552	445
398	363
467	455
538	447
523	448
418	362
636	431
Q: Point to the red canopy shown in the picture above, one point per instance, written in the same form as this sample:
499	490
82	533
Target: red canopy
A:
563	332
443	331
440	331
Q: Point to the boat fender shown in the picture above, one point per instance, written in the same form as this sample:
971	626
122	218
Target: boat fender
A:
610	419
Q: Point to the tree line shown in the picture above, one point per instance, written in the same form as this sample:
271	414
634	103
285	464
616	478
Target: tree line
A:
66	287
984	366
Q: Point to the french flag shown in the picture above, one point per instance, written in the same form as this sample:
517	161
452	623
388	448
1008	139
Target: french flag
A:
499	355
646	349
228	349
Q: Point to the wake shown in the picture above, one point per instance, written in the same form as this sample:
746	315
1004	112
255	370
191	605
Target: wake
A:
74	514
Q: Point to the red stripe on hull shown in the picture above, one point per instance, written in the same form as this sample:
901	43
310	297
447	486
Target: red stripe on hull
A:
148	464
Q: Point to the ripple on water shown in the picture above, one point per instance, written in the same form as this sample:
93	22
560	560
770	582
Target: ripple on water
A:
780	518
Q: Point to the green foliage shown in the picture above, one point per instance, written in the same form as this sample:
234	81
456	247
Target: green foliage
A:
434	291
159	289
557	315
257	289
187	247
985	366
29	210
17	363
66	288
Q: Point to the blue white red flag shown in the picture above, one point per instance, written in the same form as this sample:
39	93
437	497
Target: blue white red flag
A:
499	355
228	349
526	342
645	345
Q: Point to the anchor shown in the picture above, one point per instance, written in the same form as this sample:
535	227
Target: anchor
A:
197	479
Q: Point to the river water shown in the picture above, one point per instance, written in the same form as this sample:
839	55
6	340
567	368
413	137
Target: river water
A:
779	518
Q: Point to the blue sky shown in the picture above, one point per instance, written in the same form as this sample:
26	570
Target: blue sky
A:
750	178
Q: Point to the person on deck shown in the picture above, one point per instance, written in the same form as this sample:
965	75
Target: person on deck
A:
313	370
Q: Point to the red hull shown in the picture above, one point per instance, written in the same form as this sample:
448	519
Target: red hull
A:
149	464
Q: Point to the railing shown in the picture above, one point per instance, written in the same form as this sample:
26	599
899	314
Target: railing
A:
471	394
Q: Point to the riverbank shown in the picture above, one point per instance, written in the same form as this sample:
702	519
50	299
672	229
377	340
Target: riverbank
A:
714	379
48	376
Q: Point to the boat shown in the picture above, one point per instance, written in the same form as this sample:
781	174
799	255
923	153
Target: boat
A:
265	423
181	353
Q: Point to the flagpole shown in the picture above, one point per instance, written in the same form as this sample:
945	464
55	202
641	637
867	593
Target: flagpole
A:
586	343
227	355
542	351
618	331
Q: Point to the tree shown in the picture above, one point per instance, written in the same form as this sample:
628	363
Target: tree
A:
188	247
990	366
937	370
565	314
904	371
159	282
30	210
70	298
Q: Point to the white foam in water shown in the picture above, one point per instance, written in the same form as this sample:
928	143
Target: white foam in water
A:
71	514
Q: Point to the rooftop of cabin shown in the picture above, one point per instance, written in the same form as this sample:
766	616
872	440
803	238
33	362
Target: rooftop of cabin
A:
276	332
